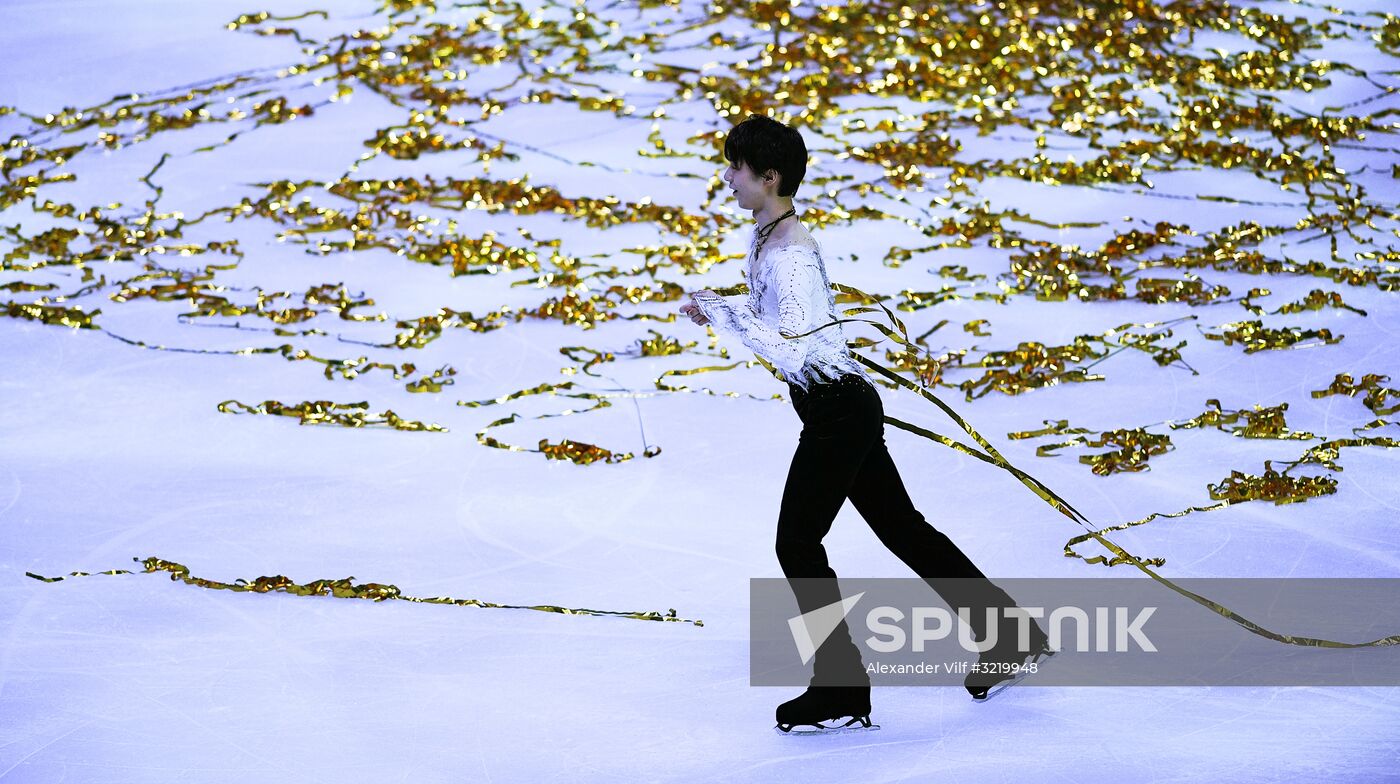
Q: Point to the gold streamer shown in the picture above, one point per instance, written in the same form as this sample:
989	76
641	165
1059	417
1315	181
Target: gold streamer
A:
1118	560
442	377
1271	486
1254	336
1376	395
324	412
1261	422
346	588
1135	447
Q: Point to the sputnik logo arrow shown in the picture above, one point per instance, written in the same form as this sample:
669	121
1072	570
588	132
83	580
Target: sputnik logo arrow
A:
810	629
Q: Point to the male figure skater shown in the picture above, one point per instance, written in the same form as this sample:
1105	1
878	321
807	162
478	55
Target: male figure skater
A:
841	452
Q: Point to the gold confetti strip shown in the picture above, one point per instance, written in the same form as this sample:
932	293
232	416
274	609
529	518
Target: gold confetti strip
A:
574	451
1247	301
17	189
1056	427
928	369
263	16
346	368
977	327
918	300
1373	424
76	574
418	333
346	588
586	311
20	285
1318	299
661	384
1254	336
659	345
1271	486
1147	342
1135	447
209	304
1376	395
440	378
58	315
959	272
1261	422
1388	37
394	206
324	412
1033	365
577	452
539	390
1192	291
1326	453
1238	487
1125	558
597	358
583	453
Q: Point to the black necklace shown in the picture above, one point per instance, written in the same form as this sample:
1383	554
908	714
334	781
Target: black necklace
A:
768	229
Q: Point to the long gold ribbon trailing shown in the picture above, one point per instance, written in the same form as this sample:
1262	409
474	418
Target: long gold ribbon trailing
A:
346	589
1068	510
1116	561
992	456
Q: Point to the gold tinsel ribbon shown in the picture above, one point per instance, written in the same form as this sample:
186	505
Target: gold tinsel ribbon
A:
992	456
346	589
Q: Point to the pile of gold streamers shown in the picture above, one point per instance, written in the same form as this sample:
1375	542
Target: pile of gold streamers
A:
1135	446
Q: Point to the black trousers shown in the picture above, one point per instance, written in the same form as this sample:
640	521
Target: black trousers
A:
841	454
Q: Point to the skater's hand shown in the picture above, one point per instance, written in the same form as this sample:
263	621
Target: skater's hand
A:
691	310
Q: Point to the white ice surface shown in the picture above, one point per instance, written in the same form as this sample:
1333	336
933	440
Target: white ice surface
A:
109	452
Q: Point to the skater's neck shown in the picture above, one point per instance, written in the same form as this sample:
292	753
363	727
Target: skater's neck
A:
774	220
771	210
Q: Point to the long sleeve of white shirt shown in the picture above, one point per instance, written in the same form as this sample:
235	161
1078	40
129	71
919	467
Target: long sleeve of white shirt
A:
788	296
790	271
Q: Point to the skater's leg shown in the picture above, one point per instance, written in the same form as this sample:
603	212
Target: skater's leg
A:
879	495
835	439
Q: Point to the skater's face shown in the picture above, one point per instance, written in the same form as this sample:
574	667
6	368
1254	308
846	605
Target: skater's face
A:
750	189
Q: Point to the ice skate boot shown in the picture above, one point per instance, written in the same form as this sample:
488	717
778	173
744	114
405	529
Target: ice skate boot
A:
1005	664
826	710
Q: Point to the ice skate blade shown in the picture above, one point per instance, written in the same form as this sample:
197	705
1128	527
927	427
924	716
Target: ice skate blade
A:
829	727
1039	659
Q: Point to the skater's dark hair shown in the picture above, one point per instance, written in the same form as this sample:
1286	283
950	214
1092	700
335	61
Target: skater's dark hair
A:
764	143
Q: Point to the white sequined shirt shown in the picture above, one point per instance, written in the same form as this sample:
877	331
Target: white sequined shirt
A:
789	294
